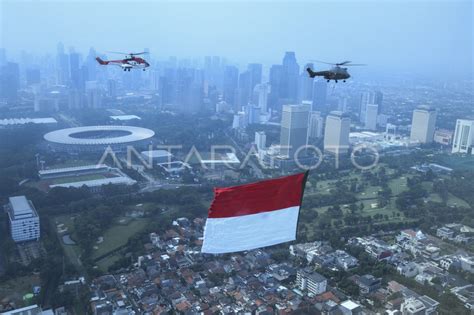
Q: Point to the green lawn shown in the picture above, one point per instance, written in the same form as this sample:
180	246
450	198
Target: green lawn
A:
73	179
107	261
118	235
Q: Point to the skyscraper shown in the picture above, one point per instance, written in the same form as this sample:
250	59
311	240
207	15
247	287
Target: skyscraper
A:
294	129
369	97
260	140
423	124
315	125
9	81
263	90
255	74
463	137
371	116
33	76
305	85
320	90
276	75
336	133
245	91
289	88
74	67
231	81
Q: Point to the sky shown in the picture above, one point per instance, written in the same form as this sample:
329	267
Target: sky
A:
420	35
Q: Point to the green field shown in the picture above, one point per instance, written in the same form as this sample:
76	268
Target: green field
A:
74	179
118	235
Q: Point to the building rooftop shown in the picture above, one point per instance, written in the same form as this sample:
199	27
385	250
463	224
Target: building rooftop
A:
21	208
153	154
125	117
22	121
72	169
350	305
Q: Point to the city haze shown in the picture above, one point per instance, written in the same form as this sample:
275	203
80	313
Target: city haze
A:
421	37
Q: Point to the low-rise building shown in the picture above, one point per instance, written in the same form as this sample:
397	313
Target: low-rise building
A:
313	282
368	284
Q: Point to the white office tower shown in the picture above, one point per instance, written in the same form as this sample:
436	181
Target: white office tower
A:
371	116
263	90
93	94
423	124
369	97
252	113
315	129
294	129
240	121
24	220
336	133
464	137
260	140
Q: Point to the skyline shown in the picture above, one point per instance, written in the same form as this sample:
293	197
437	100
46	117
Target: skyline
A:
246	32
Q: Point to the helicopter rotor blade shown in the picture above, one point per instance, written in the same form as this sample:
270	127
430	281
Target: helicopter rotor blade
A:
355	64
328	63
343	63
118	52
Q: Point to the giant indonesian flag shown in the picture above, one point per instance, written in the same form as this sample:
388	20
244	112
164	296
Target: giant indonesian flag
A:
254	215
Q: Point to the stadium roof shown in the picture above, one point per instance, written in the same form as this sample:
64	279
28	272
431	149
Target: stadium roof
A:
64	136
22	121
72	169
125	117
97	182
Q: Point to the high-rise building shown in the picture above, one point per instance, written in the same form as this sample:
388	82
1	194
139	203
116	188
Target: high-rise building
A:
289	88
371	116
294	129
9	81
463	141
336	133
305	85
260	140
255	70
33	76
369	97
240	121
263	90
252	113
315	125
320	90
93	94
245	90
423	124
276	76
24	220
74	70
231	81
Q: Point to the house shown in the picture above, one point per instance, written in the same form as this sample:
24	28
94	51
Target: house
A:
408	270
445	233
368	284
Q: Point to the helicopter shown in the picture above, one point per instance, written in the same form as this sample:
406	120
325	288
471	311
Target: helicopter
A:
127	63
335	73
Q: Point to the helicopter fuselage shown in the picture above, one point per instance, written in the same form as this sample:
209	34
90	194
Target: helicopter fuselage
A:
336	73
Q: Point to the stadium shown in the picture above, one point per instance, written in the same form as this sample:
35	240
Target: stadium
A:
98	138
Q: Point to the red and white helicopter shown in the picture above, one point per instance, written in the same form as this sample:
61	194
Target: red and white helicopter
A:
127	63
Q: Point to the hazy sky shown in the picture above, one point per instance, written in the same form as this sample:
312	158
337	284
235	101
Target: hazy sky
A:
431	35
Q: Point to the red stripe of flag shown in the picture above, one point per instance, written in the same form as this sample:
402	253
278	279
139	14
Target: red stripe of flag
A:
263	196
